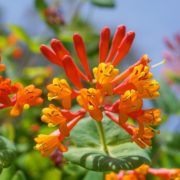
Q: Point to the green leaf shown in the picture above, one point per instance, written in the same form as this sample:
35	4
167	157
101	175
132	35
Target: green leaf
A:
8	173
32	44
33	164
19	176
40	6
103	3
94	175
52	173
7	153
20	33
87	149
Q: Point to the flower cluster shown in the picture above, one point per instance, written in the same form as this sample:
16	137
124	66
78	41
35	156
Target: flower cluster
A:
110	93
17	96
141	172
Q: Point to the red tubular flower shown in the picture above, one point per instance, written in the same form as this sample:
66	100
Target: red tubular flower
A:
71	71
121	45
104	44
124	48
167	174
50	55
59	49
118	36
81	52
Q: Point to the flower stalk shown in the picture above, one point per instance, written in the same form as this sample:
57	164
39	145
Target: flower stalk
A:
102	136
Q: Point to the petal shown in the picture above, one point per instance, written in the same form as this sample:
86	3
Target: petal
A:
118	36
50	55
59	49
124	48
66	102
81	52
96	114
72	71
104	44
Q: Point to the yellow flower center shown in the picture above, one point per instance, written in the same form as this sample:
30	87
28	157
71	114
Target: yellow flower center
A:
105	73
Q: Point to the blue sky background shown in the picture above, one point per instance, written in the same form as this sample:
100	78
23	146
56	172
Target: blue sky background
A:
151	20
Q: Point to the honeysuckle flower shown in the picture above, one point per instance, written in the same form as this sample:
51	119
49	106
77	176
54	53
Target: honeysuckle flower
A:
104	74
111	176
143	137
60	90
46	144
53	116
150	117
141	80
17	97
95	90
26	97
91	99
6	89
130	105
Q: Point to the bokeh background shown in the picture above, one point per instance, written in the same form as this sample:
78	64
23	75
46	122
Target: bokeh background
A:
29	23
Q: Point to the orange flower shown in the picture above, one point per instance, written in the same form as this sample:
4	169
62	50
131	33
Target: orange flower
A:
141	78
60	90
91	99
143	169
26	97
150	117
143	139
111	176
129	104
5	90
104	74
53	116
131	177
47	143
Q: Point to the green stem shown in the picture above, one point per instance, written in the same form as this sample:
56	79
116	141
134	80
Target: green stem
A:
102	136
